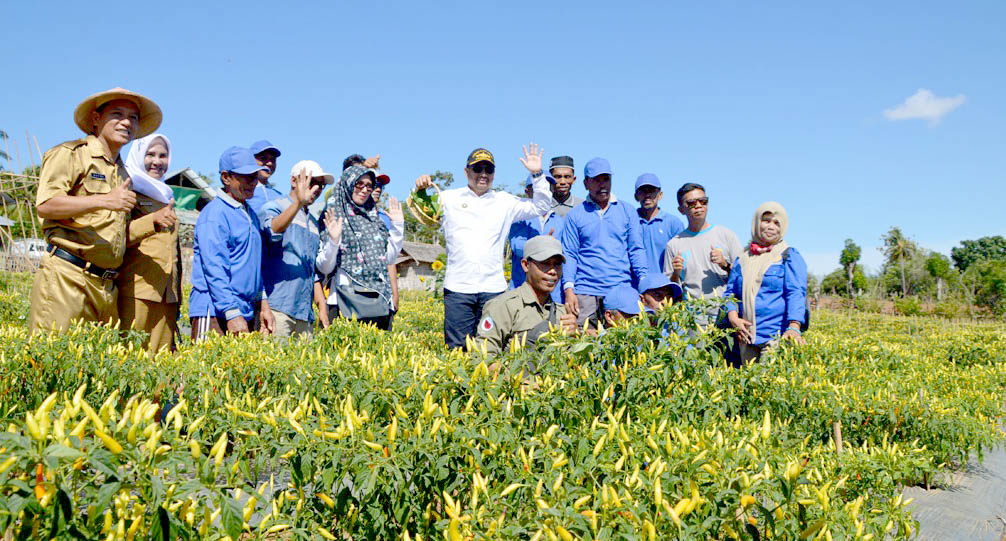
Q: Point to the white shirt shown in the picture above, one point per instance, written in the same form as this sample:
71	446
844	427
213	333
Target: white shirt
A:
475	230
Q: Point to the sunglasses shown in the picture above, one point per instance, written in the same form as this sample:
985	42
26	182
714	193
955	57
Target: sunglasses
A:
692	203
480	168
363	186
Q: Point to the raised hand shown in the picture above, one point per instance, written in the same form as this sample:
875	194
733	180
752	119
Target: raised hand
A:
424	182
716	256
165	217
303	192
372	163
334	227
532	158
395	209
122	198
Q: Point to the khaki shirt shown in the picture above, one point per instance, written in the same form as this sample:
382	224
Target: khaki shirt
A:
80	168
511	314
152	267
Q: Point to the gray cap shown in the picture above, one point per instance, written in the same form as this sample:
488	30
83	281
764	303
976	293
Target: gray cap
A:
542	247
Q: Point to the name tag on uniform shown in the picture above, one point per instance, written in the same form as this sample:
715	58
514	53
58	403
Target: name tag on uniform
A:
98	176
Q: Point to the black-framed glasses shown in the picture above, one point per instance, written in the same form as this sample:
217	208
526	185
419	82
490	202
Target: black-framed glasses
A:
482	167
692	203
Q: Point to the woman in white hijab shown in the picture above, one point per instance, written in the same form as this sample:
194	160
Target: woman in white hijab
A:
150	277
770	279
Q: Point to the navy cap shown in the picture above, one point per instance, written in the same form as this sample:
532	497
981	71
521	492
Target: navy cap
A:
259	147
240	160
561	161
623	298
529	182
595	167
657	280
647	179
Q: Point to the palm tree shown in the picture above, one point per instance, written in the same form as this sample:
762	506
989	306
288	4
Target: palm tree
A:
898	247
3	155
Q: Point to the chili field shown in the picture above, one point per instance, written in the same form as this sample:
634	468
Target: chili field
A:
360	434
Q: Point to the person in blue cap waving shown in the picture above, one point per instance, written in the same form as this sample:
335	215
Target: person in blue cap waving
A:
602	243
657	227
266	155
227	290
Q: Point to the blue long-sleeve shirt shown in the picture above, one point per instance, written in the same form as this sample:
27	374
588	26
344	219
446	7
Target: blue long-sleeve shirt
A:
288	267
520	233
782	297
655	234
602	250
226	261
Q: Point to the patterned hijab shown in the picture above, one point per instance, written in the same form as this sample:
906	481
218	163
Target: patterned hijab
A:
756	261
364	248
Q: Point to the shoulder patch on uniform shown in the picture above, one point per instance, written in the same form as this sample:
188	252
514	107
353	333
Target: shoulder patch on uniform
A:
98	176
487	324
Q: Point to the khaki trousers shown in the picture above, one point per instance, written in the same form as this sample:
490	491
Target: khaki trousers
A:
63	293
158	319
288	326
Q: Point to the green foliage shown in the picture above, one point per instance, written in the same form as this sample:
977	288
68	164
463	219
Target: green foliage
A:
988	279
361	434
837	282
938	265
908	306
983	249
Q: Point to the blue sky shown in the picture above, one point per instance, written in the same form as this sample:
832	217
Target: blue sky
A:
758	101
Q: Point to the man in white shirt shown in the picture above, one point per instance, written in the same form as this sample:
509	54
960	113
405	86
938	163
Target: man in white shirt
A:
476	221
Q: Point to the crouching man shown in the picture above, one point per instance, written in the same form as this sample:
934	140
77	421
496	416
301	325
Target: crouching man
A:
529	309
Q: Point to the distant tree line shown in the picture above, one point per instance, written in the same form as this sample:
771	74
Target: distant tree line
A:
973	276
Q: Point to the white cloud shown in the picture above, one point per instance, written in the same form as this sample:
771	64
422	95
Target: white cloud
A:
923	104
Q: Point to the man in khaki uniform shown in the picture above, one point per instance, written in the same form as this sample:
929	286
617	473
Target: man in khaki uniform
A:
84	200
528	310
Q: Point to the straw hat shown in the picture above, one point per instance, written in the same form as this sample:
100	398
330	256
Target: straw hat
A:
150	113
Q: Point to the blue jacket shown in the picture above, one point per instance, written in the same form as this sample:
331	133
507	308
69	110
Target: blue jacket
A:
782	297
226	261
656	234
602	251
520	233
288	266
264	193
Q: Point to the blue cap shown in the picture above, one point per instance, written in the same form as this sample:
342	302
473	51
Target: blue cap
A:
239	160
595	167
647	179
259	147
548	177
657	280
623	298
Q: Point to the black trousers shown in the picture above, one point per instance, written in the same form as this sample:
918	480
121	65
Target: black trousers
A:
462	312
382	322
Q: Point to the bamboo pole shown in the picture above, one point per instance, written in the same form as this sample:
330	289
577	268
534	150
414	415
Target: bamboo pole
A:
837	429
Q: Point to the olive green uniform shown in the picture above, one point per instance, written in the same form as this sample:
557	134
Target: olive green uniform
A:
63	292
515	313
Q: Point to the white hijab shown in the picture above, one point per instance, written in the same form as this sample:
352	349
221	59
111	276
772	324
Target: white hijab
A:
142	182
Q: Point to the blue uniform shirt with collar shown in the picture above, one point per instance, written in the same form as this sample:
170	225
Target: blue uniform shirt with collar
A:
226	261
520	233
264	193
288	266
781	298
602	250
656	233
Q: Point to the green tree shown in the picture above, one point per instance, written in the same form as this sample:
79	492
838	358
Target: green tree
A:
985	283
837	283
983	249
3	154
848	260
899	250
938	266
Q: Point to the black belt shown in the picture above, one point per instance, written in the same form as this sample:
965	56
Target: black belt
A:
83	264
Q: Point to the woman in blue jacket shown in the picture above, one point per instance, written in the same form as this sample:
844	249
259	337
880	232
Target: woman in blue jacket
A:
770	279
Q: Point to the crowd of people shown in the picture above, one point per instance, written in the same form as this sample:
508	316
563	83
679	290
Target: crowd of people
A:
262	261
